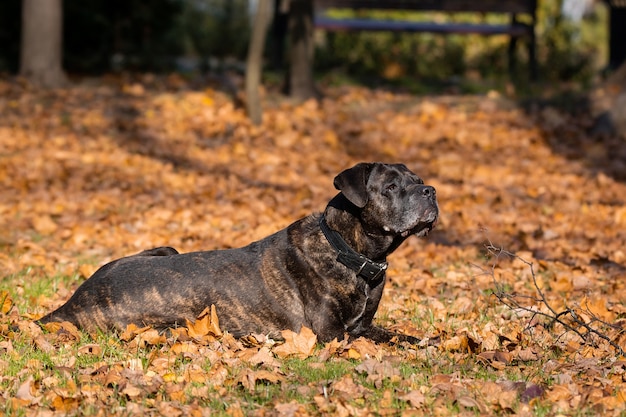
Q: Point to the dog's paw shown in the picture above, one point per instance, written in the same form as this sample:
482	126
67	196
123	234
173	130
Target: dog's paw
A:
380	335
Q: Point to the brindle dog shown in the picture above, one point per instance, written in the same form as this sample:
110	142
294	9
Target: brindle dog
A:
325	271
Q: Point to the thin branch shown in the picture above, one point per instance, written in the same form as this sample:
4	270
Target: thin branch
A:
568	318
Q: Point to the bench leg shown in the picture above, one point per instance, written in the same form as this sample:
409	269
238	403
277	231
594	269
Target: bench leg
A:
512	55
532	58
279	36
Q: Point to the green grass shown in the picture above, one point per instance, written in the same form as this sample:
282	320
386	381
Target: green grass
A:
303	379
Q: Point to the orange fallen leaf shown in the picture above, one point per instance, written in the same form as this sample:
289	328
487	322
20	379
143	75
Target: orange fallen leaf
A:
149	337
131	331
205	324
363	348
559	392
184	347
5	302
300	345
64	404
44	224
456	343
597	307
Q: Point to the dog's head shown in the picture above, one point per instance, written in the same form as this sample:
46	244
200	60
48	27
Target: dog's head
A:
391	198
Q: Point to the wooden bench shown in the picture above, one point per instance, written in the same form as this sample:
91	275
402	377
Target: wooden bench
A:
515	28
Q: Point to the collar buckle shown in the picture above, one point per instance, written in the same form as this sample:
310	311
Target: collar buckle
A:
364	267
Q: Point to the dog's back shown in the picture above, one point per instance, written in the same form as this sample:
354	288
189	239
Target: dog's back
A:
161	288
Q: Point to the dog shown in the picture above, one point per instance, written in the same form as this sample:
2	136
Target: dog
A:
325	271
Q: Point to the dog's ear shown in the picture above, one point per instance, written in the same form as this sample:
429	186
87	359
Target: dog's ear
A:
353	183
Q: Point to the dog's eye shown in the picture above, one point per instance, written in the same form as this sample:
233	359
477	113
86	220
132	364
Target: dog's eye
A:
391	187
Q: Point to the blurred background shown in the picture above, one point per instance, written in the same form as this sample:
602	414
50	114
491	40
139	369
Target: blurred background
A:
199	37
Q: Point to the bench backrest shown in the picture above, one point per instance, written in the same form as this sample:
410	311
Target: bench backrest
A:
496	6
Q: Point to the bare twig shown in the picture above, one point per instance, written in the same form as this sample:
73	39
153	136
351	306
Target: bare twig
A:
570	318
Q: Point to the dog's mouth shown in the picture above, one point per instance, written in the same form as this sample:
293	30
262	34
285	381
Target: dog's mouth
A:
422	229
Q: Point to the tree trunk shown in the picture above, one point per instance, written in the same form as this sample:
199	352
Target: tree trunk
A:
617	35
301	85
41	46
608	103
254	64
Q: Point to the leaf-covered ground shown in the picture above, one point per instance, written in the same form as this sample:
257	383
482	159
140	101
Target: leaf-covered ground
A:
110	167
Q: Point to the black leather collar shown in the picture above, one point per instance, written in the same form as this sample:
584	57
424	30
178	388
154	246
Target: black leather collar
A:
364	267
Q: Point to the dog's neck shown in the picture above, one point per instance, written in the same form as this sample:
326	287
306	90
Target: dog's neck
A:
345	218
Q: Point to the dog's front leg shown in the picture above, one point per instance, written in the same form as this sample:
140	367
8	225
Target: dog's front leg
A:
380	335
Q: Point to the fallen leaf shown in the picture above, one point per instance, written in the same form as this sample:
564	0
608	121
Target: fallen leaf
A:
26	391
263	356
559	392
131	331
467	402
131	391
90	349
206	324
64	404
528	354
347	388
249	378
415	398
184	347
300	345
597	307
456	343
291	409
111	167
378	371
5	302
44	224
362	348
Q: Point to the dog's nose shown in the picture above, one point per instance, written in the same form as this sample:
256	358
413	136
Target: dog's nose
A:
428	191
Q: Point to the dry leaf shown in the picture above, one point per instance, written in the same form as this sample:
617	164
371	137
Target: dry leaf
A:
377	371
348	388
131	331
559	392
132	391
291	409
184	347
467	402
114	167
300	345
26	391
147	337
64	404
249	378
597	307
363	348
528	355
44	225
263	356
206	324
456	343
415	398
90	349
5	302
